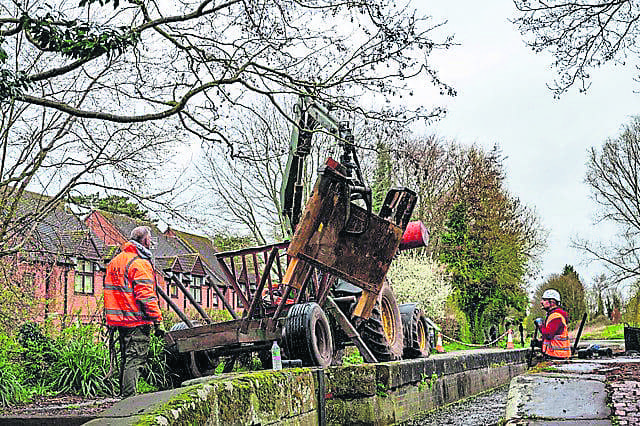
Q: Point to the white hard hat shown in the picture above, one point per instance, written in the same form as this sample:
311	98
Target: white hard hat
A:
551	294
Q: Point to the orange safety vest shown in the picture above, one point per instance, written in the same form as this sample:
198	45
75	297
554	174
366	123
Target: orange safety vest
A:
130	296
559	346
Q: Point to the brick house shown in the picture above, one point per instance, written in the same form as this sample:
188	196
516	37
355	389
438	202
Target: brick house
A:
60	265
186	257
204	247
61	268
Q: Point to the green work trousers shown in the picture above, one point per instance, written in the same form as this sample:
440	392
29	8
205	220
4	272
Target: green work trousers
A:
134	348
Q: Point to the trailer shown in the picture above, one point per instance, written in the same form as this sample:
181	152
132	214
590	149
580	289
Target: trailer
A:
326	288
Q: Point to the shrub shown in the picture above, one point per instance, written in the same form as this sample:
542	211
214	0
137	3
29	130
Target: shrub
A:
219	315
82	363
39	354
11	389
352	356
216	315
455	324
157	374
632	309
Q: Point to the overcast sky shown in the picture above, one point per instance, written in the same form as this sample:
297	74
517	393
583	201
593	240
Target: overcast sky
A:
502	99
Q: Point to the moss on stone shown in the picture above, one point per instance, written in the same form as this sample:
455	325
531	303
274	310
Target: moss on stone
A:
539	368
234	401
193	406
362	409
261	396
267	389
356	380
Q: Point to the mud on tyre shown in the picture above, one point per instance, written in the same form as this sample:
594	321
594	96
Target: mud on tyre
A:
415	330
382	332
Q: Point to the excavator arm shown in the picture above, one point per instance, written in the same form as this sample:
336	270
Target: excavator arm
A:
309	117
338	233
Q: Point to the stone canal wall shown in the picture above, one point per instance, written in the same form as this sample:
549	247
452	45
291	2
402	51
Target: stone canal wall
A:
368	394
389	393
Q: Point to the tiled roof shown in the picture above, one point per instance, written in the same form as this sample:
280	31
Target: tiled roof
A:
188	261
168	263
198	244
181	251
203	246
60	232
164	246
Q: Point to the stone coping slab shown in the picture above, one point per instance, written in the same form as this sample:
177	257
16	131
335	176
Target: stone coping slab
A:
243	399
400	373
579	367
556	397
290	396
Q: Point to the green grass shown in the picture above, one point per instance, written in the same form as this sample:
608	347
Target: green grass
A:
614	331
454	346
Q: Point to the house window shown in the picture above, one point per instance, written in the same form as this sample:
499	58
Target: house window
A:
216	300
196	288
83	277
173	288
239	301
28	279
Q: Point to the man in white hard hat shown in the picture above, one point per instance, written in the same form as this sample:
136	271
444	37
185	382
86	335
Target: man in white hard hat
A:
554	329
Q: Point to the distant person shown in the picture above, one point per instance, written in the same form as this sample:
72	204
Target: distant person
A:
131	305
554	329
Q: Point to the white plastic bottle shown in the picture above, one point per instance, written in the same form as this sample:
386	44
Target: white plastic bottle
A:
276	360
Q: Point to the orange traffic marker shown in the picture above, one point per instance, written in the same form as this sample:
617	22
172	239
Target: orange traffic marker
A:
510	339
439	346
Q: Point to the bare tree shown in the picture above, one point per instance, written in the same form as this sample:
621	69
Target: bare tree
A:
581	35
104	96
246	187
53	153
426	166
594	295
191	59
613	174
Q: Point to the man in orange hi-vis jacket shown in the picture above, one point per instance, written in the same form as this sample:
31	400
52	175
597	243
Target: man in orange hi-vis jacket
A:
131	305
554	329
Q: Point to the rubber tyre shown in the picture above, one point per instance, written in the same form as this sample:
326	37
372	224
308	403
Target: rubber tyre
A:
307	335
179	363
183	326
415	331
382	332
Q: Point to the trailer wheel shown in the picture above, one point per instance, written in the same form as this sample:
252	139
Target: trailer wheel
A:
382	332
307	335
415	330
190	365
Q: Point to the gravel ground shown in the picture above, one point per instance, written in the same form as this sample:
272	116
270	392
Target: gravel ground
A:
486	409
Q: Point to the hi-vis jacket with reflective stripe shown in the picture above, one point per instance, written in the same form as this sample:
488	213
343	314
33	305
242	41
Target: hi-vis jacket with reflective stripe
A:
558	345
130	296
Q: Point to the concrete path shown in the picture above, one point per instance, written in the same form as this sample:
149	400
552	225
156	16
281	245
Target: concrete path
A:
574	392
